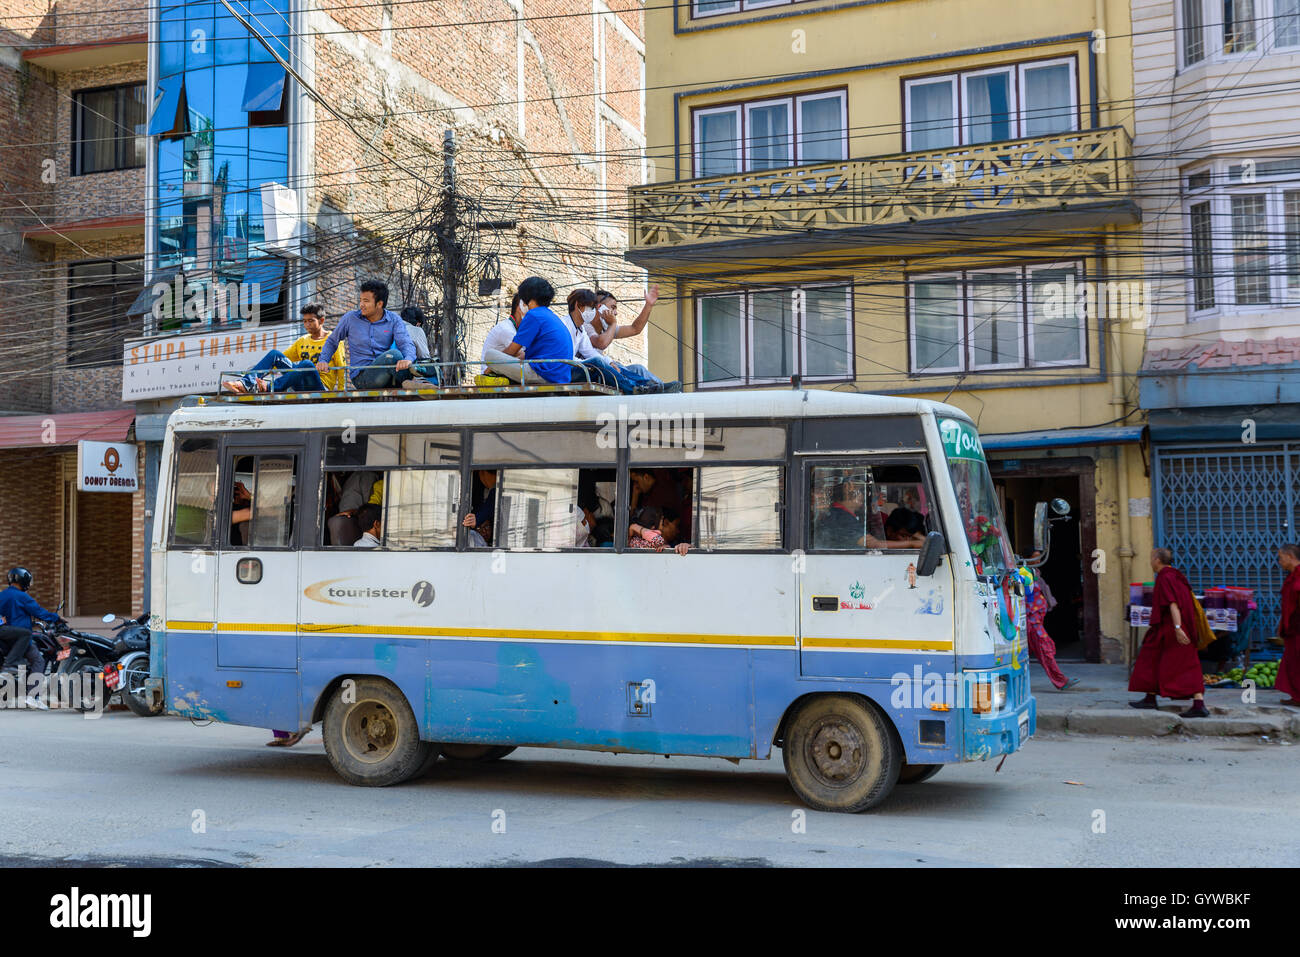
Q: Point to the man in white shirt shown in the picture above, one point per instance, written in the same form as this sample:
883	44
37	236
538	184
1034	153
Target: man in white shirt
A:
498	338
603	329
368	520
582	306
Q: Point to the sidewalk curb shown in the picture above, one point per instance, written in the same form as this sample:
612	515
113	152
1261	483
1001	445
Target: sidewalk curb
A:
1134	723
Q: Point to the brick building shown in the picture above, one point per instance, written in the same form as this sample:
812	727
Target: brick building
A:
293	184
72	91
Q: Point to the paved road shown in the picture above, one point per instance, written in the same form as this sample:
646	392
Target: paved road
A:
128	790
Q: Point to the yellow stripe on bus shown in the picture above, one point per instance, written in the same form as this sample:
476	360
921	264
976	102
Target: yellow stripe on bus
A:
897	644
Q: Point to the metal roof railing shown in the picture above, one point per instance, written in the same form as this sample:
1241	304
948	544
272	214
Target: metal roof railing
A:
425	383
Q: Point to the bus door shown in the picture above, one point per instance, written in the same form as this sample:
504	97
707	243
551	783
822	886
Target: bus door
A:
864	611
257	577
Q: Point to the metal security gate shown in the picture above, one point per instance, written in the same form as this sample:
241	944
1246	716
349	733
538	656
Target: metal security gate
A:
1224	510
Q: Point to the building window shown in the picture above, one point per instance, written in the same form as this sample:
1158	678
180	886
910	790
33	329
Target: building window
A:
1243	220
220	111
1193	32
1213	29
1238	26
1250	248
715	8
769	335
108	129
988	106
986	320
1202	256
99	295
771	134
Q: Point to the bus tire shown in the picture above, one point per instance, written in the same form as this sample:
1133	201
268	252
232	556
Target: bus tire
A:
373	740
841	754
474	753
916	773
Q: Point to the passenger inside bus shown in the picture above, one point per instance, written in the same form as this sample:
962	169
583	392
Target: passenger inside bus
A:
368	520
241	513
346	492
656	529
483	500
666	489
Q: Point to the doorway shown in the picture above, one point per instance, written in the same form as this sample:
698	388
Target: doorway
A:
1074	622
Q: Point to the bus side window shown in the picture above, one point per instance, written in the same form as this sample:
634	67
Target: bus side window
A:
420	508
262	500
273	502
194	501
740	507
854	507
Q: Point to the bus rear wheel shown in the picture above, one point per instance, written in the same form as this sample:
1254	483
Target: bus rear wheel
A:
372	738
475	753
841	754
916	773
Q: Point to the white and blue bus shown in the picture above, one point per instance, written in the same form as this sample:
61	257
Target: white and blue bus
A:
848	594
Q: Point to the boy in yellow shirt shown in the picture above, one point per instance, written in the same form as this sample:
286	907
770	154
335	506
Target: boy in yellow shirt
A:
299	361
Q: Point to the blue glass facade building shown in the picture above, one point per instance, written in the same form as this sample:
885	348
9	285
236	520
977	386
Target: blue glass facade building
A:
219	128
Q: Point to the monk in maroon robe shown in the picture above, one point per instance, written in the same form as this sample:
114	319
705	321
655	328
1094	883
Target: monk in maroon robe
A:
1168	663
1288	629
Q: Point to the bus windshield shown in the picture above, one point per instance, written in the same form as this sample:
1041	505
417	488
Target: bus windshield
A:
976	498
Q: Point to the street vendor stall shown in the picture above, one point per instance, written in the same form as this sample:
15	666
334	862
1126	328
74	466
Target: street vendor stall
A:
1232	615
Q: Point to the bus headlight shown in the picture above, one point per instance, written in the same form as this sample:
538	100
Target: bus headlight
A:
1000	693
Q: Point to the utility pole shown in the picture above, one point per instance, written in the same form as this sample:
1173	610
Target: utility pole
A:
452	256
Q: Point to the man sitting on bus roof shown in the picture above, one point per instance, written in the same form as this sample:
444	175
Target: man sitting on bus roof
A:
299	363
501	366
603	328
380	349
542	333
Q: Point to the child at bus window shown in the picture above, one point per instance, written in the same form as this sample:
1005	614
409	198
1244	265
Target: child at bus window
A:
368	520
604	532
647	532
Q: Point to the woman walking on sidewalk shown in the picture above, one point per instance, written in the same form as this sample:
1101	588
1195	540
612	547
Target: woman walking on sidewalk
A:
1288	629
1041	645
1168	663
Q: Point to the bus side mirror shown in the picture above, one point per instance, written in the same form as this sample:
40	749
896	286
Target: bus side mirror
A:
1040	527
932	553
1042	522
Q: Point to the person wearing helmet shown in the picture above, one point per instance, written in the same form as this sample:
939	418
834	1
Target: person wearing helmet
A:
18	609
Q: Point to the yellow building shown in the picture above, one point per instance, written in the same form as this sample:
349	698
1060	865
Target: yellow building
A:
928	197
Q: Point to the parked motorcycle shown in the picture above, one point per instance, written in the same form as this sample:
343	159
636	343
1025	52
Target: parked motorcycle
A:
130	672
86	653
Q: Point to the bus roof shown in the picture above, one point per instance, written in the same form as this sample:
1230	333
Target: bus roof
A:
552	410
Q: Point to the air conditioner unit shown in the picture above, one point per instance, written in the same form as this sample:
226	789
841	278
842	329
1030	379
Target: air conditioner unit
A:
280	219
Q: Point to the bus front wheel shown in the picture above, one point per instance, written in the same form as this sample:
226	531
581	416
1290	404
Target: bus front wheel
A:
841	754
371	737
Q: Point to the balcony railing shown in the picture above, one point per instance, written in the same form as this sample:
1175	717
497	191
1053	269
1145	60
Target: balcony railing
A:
1053	172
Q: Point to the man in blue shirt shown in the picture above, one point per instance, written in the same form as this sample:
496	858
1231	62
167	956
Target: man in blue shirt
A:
541	336
18	609
380	350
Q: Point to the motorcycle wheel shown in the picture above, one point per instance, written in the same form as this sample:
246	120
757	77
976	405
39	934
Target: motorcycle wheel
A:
100	692
135	669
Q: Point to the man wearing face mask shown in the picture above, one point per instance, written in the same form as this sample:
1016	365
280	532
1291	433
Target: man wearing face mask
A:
582	308
603	329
